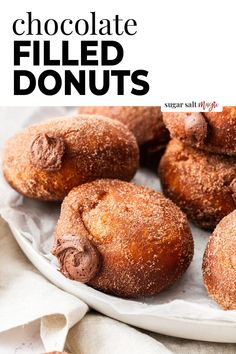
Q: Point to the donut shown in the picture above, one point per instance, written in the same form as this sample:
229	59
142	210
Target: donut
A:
122	239
210	131
203	185
45	161
219	263
146	124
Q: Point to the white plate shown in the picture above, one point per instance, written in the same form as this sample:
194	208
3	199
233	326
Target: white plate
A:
215	331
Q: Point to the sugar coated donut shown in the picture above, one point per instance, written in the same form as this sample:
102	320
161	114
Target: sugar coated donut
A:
122	239
147	125
202	184
47	160
210	131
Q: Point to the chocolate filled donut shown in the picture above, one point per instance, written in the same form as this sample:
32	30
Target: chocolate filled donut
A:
45	161
122	239
219	263
210	131
146	123
202	184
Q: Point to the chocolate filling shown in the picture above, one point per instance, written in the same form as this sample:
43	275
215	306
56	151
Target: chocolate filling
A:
78	257
47	152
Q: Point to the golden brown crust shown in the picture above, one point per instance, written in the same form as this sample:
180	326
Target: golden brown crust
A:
202	184
210	131
219	263
146	123
143	238
47	160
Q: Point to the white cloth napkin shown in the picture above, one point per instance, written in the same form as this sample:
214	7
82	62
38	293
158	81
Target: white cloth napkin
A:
25	296
102	335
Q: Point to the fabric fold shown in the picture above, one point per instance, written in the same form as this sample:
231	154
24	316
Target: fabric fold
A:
102	335
25	296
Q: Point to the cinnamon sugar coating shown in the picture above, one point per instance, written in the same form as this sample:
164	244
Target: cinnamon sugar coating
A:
143	239
210	131
219	263
150	155
45	161
146	123
200	183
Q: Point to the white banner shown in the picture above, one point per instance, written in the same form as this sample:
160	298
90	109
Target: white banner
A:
117	53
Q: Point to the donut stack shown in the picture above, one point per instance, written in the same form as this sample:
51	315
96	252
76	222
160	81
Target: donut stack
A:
198	169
